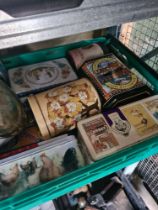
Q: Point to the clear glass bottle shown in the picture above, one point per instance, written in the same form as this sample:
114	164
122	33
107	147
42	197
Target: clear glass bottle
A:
12	115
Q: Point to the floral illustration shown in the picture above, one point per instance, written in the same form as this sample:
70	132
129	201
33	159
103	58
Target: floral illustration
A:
55	105
64	97
82	95
59	122
70	103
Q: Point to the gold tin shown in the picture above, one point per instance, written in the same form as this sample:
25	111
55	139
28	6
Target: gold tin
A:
59	109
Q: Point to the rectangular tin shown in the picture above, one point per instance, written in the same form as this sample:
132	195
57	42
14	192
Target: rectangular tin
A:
113	80
39	76
120	127
36	166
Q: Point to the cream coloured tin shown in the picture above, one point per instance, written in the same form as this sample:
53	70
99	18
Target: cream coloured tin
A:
97	136
39	76
59	109
143	116
80	55
119	128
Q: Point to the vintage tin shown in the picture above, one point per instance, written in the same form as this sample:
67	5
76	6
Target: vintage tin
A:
39	76
97	136
113	80
57	110
151	104
142	115
133	123
36	166
80	55
120	127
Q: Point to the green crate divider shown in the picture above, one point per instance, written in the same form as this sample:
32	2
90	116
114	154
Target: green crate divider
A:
64	184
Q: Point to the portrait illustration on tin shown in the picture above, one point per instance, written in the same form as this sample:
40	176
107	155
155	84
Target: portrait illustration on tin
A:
152	107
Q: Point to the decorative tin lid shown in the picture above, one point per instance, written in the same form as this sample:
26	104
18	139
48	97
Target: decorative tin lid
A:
59	109
38	76
111	76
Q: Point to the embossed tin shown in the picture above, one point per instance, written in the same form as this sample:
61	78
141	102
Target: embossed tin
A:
113	80
58	110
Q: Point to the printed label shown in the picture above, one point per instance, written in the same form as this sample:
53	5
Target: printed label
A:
99	135
119	125
140	119
123	131
152	107
111	76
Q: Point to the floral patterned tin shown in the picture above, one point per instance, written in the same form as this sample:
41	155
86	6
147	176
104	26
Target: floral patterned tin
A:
119	128
57	110
113	80
36	166
39	76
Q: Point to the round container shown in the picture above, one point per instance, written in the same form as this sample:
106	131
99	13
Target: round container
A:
59	109
12	116
80	55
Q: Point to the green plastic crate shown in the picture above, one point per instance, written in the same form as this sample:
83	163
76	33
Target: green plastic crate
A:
55	188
